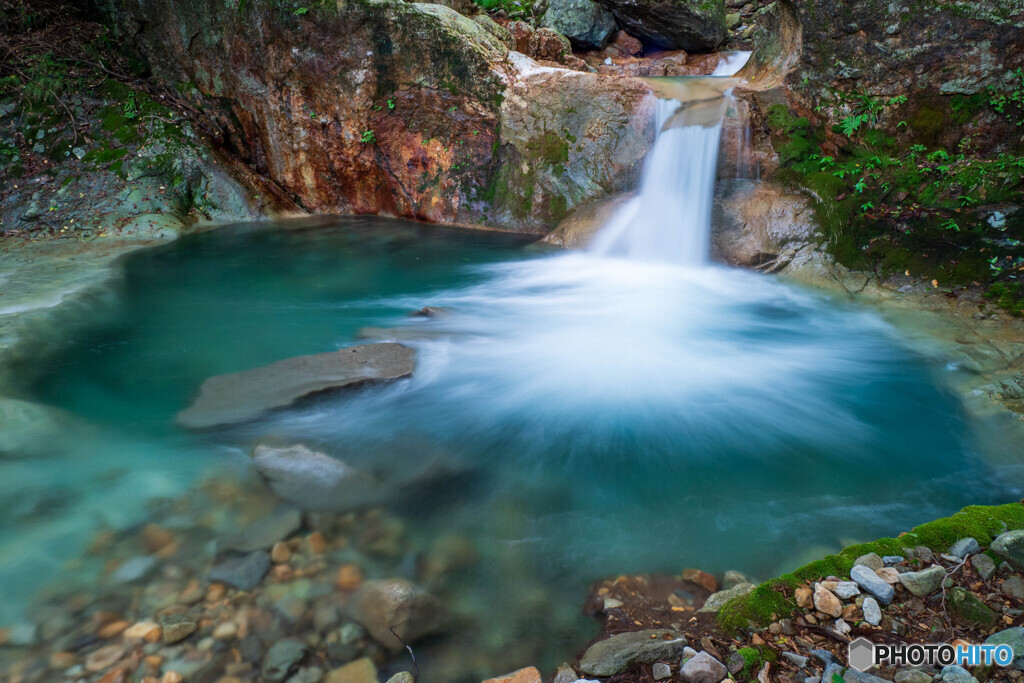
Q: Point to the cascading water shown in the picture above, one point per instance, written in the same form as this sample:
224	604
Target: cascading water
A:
670	218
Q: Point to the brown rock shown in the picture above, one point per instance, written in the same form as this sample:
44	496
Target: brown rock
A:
225	631
349	578
143	631
396	604
527	675
701	578
627	44
103	658
114	629
825	601
192	594
888	574
118	675
280	553
803	598
216	592
155	538
153	663
315	543
282	573
172	677
359	671
61	660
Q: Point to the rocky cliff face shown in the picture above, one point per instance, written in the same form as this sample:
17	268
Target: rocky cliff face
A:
397	108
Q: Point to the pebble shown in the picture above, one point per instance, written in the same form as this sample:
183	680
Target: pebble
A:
701	578
847	589
177	627
244	573
798	660
892	559
924	582
564	674
360	671
842	628
285	655
103	658
803	598
262	534
134	570
61	660
888	574
1013	586
280	553
406	677
871	560
661	671
870	582
957	674
984	565
349	577
527	675
113	629
824	656
826	601
872	612
734	578
965	547
912	676
225	630
148	631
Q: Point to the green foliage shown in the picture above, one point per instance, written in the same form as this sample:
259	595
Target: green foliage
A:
368	137
1010	102
514	9
1008	296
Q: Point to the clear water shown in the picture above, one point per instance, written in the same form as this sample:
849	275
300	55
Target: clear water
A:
606	415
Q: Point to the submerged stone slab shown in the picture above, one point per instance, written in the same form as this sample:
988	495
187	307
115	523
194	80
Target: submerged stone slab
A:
246	395
619	652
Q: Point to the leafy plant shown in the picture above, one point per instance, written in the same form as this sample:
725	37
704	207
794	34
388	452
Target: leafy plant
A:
368	137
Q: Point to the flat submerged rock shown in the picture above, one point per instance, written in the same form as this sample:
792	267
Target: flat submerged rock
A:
246	395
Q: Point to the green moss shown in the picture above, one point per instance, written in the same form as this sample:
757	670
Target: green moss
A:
963	108
105	156
549	148
774	599
928	123
1008	296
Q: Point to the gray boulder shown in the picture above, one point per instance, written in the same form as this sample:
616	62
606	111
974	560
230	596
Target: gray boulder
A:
283	659
965	547
912	676
1014	637
985	565
692	25
396	604
616	654
957	674
585	23
246	395
717	600
315	481
1010	547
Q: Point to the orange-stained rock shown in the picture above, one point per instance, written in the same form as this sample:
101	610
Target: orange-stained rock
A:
118	675
113	629
153	538
701	578
103	658
527	675
143	631
627	44
349	577
316	544
280	553
61	660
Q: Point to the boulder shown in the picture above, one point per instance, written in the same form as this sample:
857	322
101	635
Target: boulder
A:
872	583
314	481
965	547
692	25
967	609
396	604
244	396
760	225
1014	637
587	24
617	653
578	228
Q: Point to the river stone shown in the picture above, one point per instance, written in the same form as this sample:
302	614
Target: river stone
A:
985	566
797	660
924	582
892	559
585	23
734	578
614	655
969	610
691	25
528	675
410	611
134	570
912	676
246	395
176	627
847	589
717	600
283	658
870	560
1013	586
406	677
872	612
565	674
1014	637
872	583
826	601
1010	547
957	674
243	572
854	676
282	522
964	547
660	671
702	669
313	480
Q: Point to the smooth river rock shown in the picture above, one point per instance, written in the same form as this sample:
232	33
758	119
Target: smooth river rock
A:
717	600
872	583
617	653
244	396
1010	547
925	581
315	481
396	604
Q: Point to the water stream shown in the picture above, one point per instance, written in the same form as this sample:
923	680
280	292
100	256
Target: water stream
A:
629	409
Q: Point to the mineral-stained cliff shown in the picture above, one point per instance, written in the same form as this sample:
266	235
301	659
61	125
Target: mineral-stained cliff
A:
397	108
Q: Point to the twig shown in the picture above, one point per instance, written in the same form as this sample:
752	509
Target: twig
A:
415	665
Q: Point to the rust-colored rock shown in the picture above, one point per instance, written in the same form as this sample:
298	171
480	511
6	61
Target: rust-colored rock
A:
527	675
627	44
701	578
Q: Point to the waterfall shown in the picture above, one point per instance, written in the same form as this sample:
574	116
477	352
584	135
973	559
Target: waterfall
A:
670	218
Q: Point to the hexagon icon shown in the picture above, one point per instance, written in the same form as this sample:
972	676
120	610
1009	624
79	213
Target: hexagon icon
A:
862	654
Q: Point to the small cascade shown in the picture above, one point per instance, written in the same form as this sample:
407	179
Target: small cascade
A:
670	218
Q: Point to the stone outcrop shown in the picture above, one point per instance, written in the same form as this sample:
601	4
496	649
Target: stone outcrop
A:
585	22
397	108
693	25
